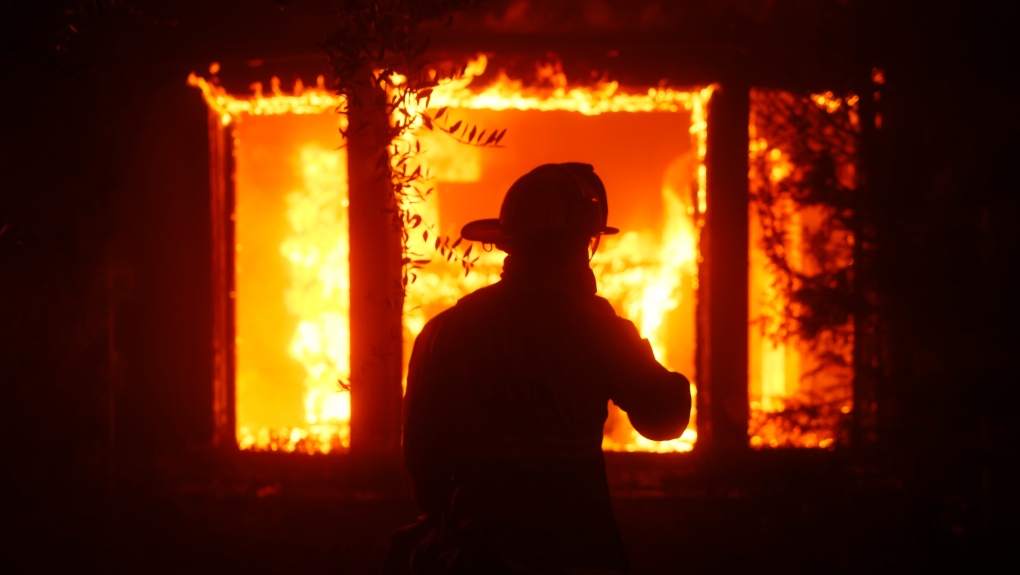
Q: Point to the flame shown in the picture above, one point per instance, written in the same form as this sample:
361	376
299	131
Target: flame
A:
318	251
505	93
317	100
787	376
315	252
644	275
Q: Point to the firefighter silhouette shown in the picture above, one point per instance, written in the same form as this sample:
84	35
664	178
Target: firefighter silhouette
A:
507	395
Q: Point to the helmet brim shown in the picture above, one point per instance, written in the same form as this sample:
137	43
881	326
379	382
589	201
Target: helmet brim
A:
485	231
489	231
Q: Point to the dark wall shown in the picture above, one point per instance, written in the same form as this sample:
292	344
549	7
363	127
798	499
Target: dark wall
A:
948	255
163	328
105	314
105	212
104	335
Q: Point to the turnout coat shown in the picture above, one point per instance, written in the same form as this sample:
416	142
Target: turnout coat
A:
506	400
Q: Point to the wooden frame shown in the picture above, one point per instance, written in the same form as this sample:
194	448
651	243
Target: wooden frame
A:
722	318
222	212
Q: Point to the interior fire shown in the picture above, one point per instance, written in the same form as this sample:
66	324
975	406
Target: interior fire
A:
801	389
290	229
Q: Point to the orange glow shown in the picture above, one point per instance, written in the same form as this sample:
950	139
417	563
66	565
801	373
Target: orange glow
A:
798	398
292	280
317	250
291	274
648	273
301	101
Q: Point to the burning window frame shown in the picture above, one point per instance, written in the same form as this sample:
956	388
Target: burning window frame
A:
723	408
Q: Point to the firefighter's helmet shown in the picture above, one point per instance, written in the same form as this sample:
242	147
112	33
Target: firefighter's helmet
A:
553	199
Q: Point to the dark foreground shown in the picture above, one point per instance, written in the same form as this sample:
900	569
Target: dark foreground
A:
779	512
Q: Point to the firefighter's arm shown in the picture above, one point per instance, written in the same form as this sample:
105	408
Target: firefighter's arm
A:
657	401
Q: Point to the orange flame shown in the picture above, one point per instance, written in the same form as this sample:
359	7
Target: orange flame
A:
314	251
646	275
643	274
788	373
318	250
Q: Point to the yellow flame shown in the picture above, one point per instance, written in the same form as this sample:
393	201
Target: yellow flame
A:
317	100
640	273
506	93
777	367
643	275
318	250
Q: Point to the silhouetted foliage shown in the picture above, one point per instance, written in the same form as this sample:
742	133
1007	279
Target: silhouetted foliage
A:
803	179
377	49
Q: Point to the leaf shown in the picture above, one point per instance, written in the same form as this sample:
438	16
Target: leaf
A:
500	136
422	262
454	127
492	137
440	113
472	135
425	120
425	236
457	243
415	221
424	94
468	251
480	136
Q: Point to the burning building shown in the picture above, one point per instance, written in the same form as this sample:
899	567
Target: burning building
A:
826	254
281	198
